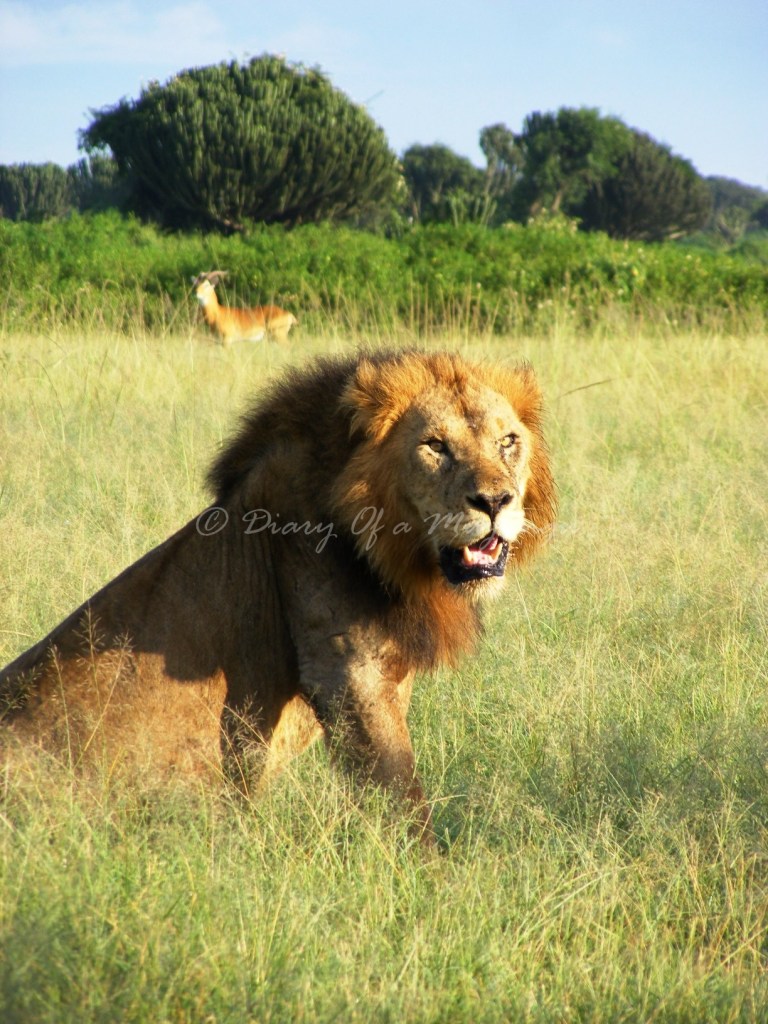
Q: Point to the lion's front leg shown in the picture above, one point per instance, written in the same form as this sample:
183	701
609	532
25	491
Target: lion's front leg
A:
352	670
362	708
369	738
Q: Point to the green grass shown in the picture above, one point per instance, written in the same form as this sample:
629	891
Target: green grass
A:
599	768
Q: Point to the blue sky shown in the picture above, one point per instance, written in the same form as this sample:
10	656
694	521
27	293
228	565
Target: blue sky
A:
692	74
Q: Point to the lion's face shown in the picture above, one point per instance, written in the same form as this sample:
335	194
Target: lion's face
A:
465	463
451	480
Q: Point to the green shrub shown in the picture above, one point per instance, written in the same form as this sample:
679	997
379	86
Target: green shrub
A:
107	270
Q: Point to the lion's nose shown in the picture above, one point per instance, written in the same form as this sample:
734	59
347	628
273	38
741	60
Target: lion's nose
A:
491	504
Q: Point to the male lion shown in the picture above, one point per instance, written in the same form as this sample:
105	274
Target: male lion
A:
361	512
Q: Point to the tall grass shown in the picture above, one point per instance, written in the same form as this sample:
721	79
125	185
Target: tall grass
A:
598	767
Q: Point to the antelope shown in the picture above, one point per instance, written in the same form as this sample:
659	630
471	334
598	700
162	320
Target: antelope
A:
232	324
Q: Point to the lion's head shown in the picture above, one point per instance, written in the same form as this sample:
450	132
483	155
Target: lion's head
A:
449	479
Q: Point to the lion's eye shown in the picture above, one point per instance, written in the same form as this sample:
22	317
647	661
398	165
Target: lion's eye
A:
509	441
436	445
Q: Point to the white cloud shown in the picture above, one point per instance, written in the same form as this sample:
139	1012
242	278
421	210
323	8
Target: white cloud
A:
116	32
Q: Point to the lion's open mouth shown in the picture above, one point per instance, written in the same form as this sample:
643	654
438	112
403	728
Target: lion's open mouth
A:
478	561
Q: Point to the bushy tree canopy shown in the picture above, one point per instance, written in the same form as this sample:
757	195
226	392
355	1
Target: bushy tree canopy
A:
651	195
97	184
736	208
38	192
443	186
34	191
597	169
504	167
263	141
564	154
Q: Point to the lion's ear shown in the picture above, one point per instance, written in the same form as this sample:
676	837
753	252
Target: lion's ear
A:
368	401
521	389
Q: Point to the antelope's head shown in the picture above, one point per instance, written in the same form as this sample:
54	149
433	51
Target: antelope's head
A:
204	284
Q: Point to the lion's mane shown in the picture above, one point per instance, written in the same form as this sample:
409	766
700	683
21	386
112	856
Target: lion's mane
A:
340	416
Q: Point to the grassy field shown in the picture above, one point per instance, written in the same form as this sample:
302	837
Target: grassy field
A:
599	768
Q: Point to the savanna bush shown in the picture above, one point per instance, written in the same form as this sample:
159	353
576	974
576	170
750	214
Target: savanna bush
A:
123	274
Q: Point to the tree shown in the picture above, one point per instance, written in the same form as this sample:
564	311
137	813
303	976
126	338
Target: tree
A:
97	184
651	195
504	161
443	186
34	191
597	169
265	141
760	217
735	208
564	154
